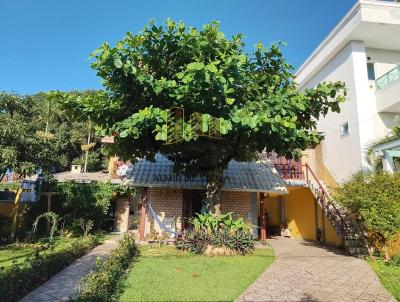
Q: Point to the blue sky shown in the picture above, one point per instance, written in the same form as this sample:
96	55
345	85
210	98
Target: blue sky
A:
44	44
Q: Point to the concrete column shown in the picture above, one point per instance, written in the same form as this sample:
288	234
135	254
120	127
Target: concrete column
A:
387	162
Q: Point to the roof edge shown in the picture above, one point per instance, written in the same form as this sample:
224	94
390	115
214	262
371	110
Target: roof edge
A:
333	33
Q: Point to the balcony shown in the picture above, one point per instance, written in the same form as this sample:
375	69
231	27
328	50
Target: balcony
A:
388	91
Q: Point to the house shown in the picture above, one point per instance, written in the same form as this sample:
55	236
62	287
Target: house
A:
363	50
282	190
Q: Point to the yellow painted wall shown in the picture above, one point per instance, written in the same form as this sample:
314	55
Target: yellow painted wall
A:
272	205
299	207
300	215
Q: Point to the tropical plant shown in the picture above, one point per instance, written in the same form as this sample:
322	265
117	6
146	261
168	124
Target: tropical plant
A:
375	201
217	230
216	222
234	105
376	161
52	218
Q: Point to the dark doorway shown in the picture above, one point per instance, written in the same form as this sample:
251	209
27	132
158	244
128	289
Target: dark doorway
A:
192	202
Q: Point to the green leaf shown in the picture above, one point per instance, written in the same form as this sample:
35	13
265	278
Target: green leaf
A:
278	118
124	134
195	66
117	63
230	101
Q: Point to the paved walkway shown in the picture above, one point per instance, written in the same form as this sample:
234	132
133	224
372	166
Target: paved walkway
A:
304	271
64	285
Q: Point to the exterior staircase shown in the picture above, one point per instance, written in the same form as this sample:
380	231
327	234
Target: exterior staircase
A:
343	222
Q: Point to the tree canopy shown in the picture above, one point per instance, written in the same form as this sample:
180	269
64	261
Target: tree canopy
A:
38	133
251	101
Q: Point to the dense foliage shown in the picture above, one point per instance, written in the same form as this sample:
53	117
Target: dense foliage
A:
253	99
104	283
21	150
17	281
39	132
219	230
375	200
89	201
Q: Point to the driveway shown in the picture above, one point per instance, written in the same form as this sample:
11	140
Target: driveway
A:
305	271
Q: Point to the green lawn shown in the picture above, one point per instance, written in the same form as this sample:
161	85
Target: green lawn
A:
389	276
166	274
14	254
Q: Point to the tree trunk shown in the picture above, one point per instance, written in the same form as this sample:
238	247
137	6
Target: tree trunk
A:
213	192
2	174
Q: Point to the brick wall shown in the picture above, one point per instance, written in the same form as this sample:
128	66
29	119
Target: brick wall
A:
167	203
121	222
237	202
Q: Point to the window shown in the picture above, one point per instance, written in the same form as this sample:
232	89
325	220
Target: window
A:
344	129
371	71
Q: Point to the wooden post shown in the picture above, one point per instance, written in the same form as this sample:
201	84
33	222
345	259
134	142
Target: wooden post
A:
263	226
143	214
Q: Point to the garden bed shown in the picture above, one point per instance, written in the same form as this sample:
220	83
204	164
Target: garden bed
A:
167	274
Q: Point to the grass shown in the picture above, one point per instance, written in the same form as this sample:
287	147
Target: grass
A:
389	276
16	253
166	274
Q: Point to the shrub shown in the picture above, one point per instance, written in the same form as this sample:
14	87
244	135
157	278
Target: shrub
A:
17	281
375	200
219	230
103	284
395	260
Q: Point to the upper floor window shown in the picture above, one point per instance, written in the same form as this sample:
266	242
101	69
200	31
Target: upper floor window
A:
371	71
344	129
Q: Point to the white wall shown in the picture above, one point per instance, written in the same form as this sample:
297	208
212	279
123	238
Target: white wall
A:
345	155
385	60
341	155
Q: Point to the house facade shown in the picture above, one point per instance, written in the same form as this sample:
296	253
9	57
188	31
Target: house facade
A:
363	50
270	197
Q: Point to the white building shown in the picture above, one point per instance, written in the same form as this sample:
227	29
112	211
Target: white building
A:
363	50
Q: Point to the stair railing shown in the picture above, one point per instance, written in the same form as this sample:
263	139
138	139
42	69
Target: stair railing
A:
294	170
323	194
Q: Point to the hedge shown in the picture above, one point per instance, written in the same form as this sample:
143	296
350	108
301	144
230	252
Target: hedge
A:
17	281
104	283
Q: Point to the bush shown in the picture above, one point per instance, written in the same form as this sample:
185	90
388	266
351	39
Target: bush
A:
103	284
395	260
219	230
375	200
17	281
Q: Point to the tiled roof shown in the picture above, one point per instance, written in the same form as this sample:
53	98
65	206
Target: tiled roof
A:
240	176
84	177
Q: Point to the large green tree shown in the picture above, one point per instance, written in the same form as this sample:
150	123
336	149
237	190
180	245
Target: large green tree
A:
253	98
21	150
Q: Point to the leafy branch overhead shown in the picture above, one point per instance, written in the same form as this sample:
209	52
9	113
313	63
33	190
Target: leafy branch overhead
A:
254	96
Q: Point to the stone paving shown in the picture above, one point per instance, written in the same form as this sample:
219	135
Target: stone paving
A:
305	271
64	285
